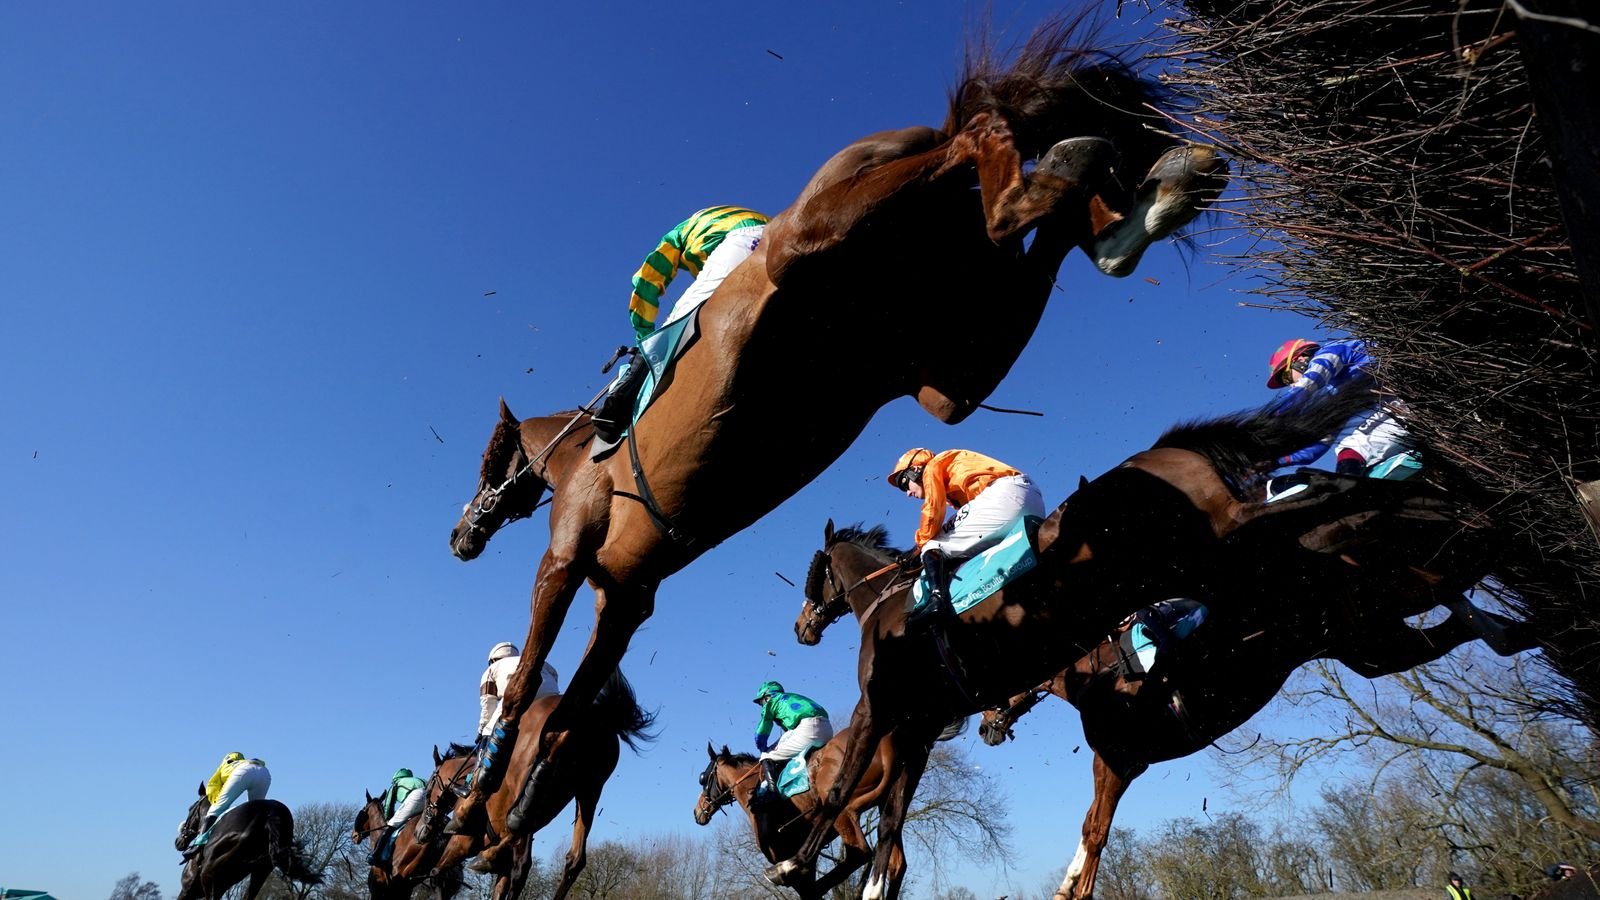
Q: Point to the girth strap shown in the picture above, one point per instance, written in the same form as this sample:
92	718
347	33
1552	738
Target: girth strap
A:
647	498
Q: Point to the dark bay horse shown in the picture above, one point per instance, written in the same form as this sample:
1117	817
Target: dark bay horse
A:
1225	673
784	822
587	758
409	861
828	283
1159	525
248	841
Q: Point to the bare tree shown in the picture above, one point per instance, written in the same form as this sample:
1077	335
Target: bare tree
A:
1124	874
1471	768
130	887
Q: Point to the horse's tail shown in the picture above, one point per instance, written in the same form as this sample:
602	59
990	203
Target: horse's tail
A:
618	709
1236	444
285	850
1057	86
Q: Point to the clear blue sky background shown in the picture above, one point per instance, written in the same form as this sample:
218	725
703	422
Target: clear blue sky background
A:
243	286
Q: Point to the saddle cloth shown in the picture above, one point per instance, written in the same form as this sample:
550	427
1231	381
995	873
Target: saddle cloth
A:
659	350
795	779
979	577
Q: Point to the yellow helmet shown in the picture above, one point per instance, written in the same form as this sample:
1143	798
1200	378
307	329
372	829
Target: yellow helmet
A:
915	458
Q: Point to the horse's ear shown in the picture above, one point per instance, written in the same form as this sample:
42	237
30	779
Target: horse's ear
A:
202	788
505	414
726	751
369	795
437	759
827	532
710	752
1083	482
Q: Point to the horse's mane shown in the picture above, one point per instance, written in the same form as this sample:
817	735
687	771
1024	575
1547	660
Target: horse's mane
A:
502	444
456	751
1058	84
874	540
738	759
1235	443
617	708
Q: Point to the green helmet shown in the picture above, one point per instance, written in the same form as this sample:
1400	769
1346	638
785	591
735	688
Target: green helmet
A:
401	773
768	688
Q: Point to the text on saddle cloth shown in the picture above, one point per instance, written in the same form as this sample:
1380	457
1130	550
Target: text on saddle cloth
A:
659	350
795	780
981	576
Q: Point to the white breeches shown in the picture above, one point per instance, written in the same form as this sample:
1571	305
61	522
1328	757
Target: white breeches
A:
244	779
410	806
985	521
1376	435
736	246
807	733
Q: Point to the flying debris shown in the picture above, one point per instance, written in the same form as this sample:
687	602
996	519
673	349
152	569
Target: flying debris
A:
774	54
490	293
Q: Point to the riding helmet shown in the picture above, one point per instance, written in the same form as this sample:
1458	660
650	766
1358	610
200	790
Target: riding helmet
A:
502	650
1283	356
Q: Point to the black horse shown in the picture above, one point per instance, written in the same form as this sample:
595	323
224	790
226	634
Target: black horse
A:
249	840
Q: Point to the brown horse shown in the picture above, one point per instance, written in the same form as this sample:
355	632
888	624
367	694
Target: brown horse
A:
1222	675
408	861
587	758
720	446
248	841
784	822
1165	523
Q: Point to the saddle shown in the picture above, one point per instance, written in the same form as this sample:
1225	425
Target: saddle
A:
980	577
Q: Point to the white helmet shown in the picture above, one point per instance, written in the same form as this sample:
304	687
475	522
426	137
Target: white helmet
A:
502	650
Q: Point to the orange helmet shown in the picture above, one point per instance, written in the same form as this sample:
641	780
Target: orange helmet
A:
1283	356
914	458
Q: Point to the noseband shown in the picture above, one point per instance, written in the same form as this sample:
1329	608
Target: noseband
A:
708	783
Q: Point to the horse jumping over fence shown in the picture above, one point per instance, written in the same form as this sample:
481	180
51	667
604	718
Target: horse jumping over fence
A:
827	283
1165	523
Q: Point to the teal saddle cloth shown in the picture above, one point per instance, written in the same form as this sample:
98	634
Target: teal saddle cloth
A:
659	350
979	577
794	779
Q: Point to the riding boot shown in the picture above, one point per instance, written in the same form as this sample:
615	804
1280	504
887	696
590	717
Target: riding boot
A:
771	770
936	568
612	419
201	837
493	757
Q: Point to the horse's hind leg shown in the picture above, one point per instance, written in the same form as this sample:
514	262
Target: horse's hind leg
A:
258	879
509	886
1110	783
889	868
859	749
586	800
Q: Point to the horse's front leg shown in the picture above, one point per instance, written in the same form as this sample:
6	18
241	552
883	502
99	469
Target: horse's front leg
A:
1179	185
889	868
859	749
1110	783
1014	202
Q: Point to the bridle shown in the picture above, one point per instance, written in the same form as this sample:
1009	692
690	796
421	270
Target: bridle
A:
485	500
723	796
825	612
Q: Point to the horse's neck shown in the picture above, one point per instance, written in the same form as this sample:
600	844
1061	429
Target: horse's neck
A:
858	565
556	441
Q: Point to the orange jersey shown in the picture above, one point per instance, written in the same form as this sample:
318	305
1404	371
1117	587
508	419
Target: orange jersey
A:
954	477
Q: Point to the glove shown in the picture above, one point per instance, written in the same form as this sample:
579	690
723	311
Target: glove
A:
910	561
761	744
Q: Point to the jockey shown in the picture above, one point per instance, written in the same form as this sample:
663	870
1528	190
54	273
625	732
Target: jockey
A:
236	775
988	496
404	799
805	725
1304	368
503	660
709	245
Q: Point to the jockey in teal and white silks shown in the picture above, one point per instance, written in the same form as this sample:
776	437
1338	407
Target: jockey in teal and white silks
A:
405	798
235	776
805	725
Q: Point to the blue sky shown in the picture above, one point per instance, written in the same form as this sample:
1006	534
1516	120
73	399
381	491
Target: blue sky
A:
251	357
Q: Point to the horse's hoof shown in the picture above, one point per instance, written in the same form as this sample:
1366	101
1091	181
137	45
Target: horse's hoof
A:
779	873
1080	160
481	866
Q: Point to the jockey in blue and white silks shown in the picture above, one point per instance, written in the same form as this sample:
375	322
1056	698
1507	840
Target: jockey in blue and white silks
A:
1304	369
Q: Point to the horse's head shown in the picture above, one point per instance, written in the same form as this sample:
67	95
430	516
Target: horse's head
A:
368	819
455	764
716	784
190	826
837	582
508	489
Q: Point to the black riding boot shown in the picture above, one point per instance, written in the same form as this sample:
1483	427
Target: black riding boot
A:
612	419
936	566
770	770
205	826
